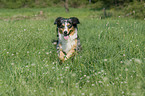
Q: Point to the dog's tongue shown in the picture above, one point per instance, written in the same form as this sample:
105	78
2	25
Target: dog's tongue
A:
66	37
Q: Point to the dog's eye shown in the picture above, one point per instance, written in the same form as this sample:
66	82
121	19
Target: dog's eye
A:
69	26
61	26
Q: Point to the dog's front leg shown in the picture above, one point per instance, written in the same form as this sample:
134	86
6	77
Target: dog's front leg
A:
70	54
61	54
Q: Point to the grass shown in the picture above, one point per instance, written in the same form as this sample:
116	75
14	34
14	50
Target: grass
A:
112	62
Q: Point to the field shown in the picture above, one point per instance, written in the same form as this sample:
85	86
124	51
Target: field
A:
111	63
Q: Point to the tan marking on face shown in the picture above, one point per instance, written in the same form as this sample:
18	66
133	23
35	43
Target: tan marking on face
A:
61	29
72	30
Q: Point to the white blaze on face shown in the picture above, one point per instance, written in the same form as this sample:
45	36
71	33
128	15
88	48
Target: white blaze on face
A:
66	29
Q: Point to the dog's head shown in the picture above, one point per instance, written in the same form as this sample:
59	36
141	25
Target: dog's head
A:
66	26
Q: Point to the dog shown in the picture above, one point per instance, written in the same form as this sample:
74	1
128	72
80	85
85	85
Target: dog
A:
68	42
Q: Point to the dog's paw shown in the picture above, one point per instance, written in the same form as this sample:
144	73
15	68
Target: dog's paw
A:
54	42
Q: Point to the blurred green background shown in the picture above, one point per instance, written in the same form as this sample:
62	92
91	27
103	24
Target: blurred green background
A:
126	8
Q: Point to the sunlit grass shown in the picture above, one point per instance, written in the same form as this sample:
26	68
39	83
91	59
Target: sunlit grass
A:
112	62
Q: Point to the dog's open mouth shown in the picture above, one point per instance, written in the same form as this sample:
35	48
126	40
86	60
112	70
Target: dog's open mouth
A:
66	37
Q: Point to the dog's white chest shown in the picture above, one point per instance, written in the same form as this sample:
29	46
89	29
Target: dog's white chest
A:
67	45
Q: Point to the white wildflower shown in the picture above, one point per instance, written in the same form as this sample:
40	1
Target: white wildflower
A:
88	77
73	74
47	53
91	94
12	64
133	94
105	79
26	65
130	40
83	93
100	81
63	93
99	72
125	82
67	67
32	64
61	81
138	61
88	81
126	69
121	61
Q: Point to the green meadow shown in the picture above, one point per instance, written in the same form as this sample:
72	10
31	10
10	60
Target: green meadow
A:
111	63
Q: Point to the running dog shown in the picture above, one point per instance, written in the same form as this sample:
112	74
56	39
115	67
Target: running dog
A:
68	43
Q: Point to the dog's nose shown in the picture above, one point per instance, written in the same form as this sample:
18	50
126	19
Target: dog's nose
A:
65	33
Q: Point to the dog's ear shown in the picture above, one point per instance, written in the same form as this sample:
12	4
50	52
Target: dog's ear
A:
58	21
75	20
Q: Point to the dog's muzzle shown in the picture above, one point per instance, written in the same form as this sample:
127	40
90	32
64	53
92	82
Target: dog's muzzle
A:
66	36
65	33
